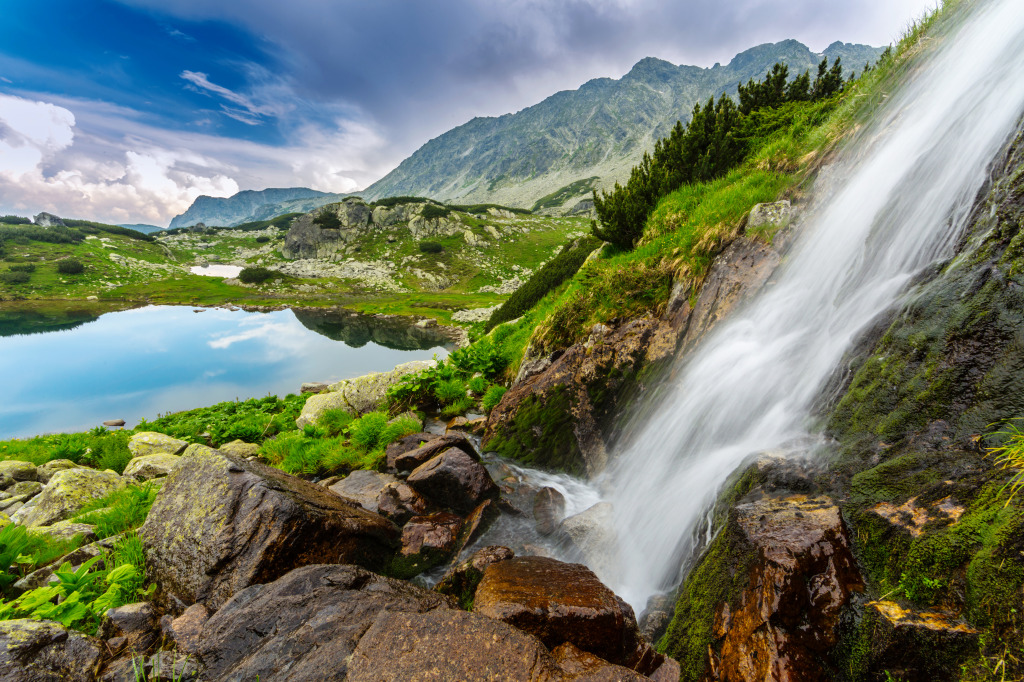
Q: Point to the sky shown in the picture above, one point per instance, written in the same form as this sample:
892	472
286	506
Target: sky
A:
126	111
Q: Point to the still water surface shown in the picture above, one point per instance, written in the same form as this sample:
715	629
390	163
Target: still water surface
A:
158	359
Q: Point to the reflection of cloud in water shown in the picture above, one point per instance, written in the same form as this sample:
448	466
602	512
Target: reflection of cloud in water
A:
280	338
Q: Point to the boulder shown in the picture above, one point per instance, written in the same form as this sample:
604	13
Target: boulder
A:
26	488
305	625
774	214
45	472
558	603
45	219
186	630
222	523
364	487
454	480
115	423
240	448
427	541
917	645
461	581
548	510
152	443
66	530
477	522
13	471
132	627
592	534
313	387
147	467
801	575
410	458
358	396
42	651
399	502
583	665
66	493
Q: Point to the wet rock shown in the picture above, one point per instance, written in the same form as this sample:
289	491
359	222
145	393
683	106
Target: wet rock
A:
239	448
427	541
478	521
409	459
583	665
445	644
399	502
800	578
548	510
42	651
363	486
65	494
592	533
558	603
186	630
222	523
152	443
461	581
917	645
13	471
306	625
148	467
454	480
45	472
406	444
134	624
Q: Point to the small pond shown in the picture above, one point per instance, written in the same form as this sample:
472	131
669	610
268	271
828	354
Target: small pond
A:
71	372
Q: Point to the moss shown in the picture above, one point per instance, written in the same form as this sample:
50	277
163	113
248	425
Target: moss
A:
541	434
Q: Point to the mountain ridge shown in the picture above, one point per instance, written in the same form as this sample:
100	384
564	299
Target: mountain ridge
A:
249	205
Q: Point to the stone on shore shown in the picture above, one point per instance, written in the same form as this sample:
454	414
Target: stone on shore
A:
66	493
152	443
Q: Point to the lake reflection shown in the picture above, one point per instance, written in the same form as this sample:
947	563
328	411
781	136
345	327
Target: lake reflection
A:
150	361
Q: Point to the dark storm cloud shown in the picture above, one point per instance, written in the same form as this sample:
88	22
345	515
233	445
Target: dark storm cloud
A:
418	67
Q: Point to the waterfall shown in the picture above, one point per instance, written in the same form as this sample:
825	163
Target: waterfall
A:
896	201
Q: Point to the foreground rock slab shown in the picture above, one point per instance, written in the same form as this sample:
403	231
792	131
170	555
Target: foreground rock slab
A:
561	603
41	651
222	523
304	626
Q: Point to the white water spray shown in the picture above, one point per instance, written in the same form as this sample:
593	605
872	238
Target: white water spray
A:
897	202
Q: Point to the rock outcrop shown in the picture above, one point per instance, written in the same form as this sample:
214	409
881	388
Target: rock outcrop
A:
357	396
222	523
41	651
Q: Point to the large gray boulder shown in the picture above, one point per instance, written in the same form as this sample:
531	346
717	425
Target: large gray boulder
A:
151	466
454	480
42	651
66	493
12	471
358	396
222	523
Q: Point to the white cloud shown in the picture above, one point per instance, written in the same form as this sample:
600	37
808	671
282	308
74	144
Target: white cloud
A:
81	158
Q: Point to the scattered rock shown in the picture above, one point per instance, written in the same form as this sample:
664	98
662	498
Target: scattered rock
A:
222	523
592	533
917	645
148	467
305	625
66	493
134	625
408	459
548	510
364	487
313	387
25	488
560	603
42	651
461	581
115	423
358	396
45	472
475	314
455	480
399	502
13	471
152	443
239	448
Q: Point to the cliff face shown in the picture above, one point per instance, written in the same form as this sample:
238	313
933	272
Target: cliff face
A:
251	205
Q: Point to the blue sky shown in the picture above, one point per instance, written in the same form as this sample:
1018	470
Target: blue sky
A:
126	111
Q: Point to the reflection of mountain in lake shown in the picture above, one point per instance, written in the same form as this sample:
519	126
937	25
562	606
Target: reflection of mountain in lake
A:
357	330
21	321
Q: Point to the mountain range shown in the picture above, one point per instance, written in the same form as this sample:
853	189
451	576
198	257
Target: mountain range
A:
552	153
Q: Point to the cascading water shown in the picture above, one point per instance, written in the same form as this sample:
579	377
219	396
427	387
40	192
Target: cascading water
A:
895	203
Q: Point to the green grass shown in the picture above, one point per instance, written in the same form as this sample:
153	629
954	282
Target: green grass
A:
1010	455
119	511
251	420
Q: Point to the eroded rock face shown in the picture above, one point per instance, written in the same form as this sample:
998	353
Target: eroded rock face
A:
41	651
801	576
560	412
306	625
222	523
454	480
66	493
558	603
